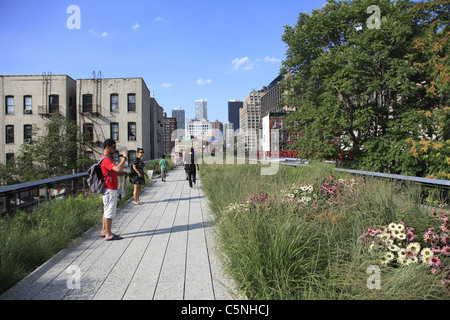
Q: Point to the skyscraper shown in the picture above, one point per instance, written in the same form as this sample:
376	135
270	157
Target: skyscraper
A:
201	107
179	114
233	112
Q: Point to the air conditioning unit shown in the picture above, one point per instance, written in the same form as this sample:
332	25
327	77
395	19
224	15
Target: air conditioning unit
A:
132	138
28	141
28	111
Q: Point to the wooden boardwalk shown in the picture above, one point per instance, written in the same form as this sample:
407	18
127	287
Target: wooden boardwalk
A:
167	253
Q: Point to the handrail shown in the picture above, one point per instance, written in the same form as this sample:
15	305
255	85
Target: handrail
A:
8	192
427	181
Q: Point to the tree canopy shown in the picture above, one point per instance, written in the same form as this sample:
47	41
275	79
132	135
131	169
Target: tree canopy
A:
370	83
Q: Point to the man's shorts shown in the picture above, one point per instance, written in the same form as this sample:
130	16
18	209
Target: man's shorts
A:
109	203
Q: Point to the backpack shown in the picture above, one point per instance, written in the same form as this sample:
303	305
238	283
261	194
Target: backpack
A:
95	180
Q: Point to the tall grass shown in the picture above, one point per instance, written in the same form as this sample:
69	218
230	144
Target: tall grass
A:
28	240
273	251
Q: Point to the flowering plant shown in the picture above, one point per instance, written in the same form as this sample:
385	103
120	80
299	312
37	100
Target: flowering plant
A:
399	245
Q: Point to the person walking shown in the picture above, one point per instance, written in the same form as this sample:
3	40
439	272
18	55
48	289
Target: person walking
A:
192	167
110	172
137	177
186	161
163	164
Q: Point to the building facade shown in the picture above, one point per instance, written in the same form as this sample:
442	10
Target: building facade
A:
233	112
180	115
201	109
119	109
199	129
249	119
28	102
170	125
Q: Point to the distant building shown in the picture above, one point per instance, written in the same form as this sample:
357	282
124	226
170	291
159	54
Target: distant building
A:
179	114
228	132
217	129
170	125
249	118
28	102
233	112
201	109
199	129
270	101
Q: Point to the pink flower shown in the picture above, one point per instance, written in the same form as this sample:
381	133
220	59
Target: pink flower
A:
435	261
410	253
446	250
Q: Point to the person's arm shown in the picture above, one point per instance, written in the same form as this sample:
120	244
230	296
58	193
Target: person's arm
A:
119	167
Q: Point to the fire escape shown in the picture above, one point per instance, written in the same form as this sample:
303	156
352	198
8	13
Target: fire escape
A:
93	116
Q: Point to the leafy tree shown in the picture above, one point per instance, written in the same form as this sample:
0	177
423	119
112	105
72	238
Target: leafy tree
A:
52	154
430	146
354	87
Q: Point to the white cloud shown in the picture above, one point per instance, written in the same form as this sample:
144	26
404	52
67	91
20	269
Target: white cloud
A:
166	85
202	82
135	26
269	60
95	33
160	19
246	63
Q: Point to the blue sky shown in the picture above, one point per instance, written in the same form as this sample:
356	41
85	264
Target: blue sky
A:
184	50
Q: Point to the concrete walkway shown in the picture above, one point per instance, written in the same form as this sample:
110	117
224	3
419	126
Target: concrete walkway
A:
167	253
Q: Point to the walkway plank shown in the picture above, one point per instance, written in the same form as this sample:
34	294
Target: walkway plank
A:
166	253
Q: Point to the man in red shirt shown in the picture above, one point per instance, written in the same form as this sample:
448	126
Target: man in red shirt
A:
110	171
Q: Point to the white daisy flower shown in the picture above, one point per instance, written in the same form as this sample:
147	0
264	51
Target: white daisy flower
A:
401	236
392	226
414	246
414	260
393	248
402	253
390	256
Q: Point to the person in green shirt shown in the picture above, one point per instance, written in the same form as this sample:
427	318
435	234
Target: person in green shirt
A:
163	164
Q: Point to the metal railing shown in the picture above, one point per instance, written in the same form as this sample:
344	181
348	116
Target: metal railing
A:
28	194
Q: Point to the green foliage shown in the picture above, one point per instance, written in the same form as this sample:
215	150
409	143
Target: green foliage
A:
278	247
369	95
51	154
28	240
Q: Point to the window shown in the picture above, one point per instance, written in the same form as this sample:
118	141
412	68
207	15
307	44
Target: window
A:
9	134
115	131
53	103
27	104
131	102
9	105
9	157
87	102
131	130
89	131
27	130
114	102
